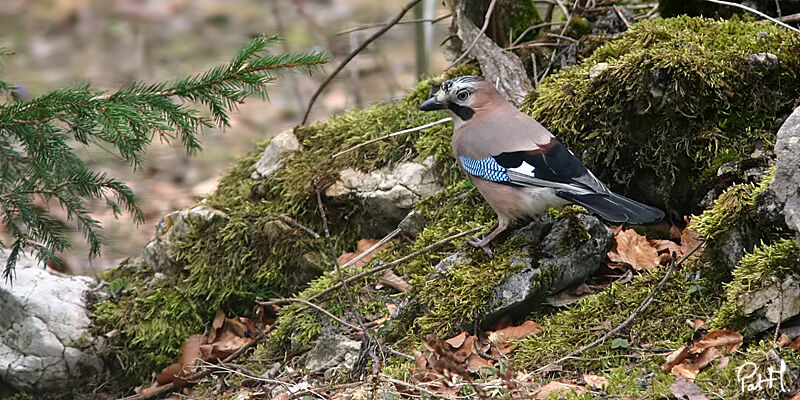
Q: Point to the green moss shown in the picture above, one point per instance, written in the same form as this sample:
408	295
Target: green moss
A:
736	205
230	261
678	94
759	269
660	326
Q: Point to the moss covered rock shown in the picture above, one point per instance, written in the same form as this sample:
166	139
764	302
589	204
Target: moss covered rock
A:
225	263
678	97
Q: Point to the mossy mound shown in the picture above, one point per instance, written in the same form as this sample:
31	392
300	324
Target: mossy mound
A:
676	95
231	261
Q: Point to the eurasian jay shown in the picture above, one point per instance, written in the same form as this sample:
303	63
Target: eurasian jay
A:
518	166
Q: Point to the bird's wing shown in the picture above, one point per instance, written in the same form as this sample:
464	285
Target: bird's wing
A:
552	165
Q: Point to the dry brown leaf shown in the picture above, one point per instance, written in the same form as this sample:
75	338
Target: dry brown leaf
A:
458	340
519	332
723	363
390	279
570	296
633	249
675	358
666	246
684	389
187	361
698	323
476	362
555	387
729	339
795	345
784	340
674	232
219	320
688	371
595	382
796	396
708	355
419	359
361	247
689	241
226	344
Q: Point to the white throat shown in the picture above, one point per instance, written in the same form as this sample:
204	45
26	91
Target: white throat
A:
457	121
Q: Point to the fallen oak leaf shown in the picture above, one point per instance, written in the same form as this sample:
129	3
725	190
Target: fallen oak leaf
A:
688	371
390	279
219	320
595	382
362	246
555	387
675	358
187	362
729	339
633	249
458	340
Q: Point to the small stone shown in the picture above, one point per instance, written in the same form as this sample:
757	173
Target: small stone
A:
764	62
388	193
331	352
160	253
413	223
280	147
598	69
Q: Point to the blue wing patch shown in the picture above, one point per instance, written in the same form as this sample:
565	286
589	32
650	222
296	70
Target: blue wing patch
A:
487	168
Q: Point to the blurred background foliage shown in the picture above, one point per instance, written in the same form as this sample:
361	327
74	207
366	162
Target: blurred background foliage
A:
110	43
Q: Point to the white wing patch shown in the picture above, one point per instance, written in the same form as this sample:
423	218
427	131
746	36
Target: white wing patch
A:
524	169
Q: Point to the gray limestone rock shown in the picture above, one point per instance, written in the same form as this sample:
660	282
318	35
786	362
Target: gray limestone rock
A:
160	253
567	251
388	193
45	344
280	147
787	174
772	304
332	353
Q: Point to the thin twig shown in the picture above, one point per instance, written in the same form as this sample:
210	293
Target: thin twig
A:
352	55
534	44
396	262
293	222
407	21
621	17
639	310
310	304
398	133
532	27
367	339
373	248
478	36
202	374
790	18
754	11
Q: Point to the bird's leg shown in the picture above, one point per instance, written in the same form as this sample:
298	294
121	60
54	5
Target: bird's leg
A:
503	224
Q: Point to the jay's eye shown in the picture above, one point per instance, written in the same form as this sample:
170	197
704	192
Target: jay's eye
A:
462	95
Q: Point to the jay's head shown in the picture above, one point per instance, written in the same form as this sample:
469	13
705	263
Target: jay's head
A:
462	96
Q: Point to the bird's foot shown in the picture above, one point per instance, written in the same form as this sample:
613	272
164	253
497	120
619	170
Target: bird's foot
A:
481	244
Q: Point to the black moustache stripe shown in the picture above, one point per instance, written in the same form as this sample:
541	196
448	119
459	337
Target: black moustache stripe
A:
464	113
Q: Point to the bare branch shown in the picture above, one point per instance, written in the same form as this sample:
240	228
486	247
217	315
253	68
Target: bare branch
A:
398	133
754	11
352	55
483	30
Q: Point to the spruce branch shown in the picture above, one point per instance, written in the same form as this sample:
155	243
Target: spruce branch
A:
38	167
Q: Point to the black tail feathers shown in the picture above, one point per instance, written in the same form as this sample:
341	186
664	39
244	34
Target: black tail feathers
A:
615	208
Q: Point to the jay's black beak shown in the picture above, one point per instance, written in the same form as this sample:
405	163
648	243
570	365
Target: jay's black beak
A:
431	104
